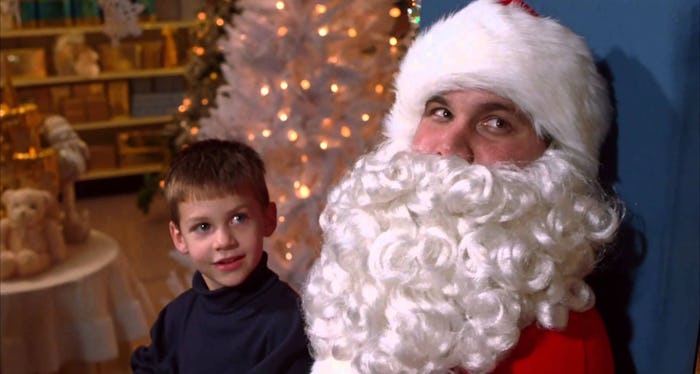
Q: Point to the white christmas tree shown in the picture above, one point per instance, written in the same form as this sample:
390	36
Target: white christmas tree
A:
308	83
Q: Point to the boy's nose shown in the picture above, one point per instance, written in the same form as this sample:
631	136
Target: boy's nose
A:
224	239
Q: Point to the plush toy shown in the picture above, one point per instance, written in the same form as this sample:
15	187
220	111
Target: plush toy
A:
73	56
72	162
31	240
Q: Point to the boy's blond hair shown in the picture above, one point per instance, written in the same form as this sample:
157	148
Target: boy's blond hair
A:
214	168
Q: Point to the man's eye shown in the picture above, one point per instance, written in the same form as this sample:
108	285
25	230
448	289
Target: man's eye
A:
496	124
441	113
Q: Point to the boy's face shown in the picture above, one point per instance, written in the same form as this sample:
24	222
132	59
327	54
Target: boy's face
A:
224	236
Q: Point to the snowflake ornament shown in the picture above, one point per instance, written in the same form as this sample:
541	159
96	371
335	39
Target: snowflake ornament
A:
121	18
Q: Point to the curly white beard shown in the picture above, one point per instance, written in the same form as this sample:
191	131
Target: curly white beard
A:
430	263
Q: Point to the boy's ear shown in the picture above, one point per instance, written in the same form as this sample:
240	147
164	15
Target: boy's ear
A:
176	236
270	216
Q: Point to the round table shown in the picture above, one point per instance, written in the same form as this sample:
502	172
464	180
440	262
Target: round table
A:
76	311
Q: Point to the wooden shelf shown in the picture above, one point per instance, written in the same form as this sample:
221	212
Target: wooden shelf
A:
122	122
122	172
88	29
104	76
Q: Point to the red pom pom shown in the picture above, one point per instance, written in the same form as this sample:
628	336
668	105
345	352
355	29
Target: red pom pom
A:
521	4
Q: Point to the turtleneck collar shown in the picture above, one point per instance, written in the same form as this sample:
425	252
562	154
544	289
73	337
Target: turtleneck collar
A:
226	299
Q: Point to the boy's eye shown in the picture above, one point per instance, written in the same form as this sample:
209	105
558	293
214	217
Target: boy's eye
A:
239	218
202	227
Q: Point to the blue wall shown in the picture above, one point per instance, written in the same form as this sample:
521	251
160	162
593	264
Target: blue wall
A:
649	289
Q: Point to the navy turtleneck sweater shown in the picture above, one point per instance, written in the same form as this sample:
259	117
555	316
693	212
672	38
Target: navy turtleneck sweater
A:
255	327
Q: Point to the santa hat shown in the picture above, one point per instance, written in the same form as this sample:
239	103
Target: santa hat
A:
504	47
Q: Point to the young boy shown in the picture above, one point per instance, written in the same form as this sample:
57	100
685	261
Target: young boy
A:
238	317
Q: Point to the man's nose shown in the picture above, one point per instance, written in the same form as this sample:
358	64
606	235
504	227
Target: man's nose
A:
453	141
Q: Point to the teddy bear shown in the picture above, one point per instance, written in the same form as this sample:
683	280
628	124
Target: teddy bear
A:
31	240
73	56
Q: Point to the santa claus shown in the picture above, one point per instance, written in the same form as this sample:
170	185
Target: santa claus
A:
462	242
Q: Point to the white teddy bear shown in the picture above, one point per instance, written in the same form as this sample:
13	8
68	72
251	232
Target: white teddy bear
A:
31	240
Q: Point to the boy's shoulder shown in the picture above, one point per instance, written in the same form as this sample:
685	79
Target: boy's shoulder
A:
179	305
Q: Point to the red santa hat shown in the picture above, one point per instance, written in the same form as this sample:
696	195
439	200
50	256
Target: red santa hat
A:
503	46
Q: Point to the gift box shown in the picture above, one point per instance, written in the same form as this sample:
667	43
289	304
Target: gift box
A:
141	147
152	57
125	56
24	62
118	96
102	156
97	108
155	103
73	108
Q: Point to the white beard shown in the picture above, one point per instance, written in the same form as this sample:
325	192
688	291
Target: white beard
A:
430	263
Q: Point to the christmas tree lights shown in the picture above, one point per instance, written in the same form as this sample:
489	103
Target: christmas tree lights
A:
306	83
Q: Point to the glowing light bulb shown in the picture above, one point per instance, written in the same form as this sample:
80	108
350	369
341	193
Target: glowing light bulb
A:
395	12
266	133
345	131
393	41
219	22
327	122
213	76
161	183
305	84
284	85
352	32
323	145
292	135
379	88
181	108
282	199
334	87
194	131
282	31
365	117
320	9
198	51
303	192
288	256
333	60
264	90
201	16
281	219
282	115
323	30
288	245
297	184
205	101
187	101
279	5
251	137
304	159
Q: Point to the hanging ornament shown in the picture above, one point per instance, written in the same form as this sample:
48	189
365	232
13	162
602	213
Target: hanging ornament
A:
414	11
121	18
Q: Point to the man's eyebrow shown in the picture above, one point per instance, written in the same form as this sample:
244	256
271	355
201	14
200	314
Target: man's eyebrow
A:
439	99
493	106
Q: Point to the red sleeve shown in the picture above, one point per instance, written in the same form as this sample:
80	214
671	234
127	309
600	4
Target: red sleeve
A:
583	348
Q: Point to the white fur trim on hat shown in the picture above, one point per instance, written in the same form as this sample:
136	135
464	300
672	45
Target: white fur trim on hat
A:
542	66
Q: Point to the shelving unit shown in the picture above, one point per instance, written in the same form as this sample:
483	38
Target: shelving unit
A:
102	134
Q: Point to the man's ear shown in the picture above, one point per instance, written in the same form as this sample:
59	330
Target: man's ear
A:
176	236
270	217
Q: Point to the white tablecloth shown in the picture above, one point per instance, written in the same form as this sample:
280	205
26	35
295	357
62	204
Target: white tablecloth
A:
78	310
